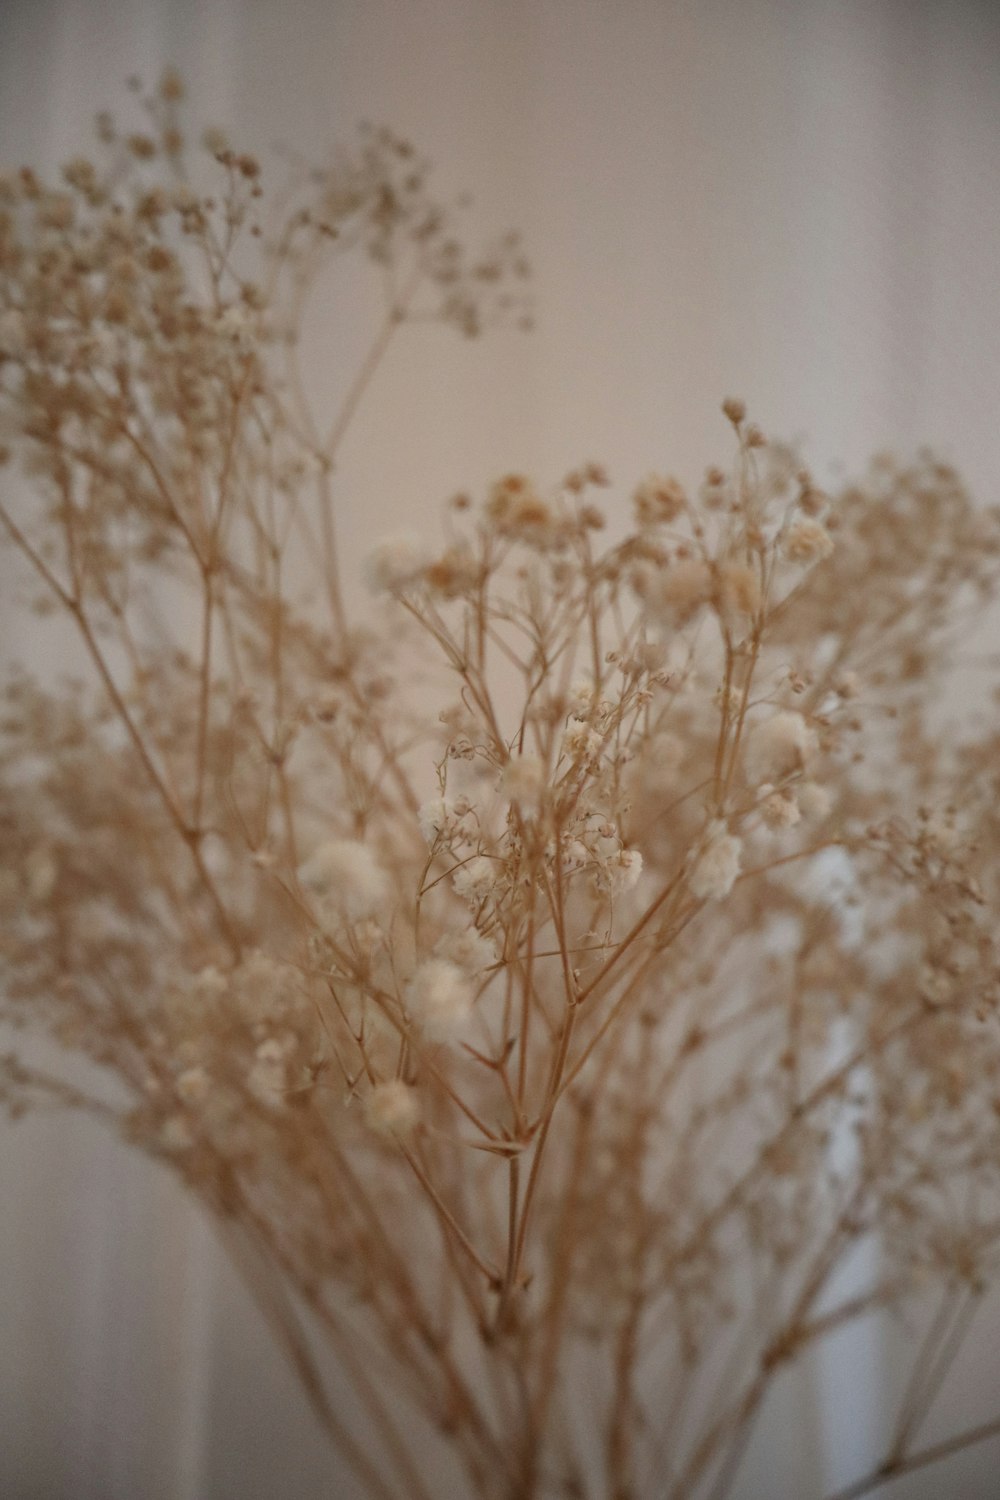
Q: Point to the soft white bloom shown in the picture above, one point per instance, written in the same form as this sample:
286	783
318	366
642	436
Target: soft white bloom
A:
523	781
345	875
575	855
781	745
235	322
814	800
672	595
625	870
739	589
268	1078
580	742
658	498
469	949
392	1108
192	1085
940	833
474	879
583	699
717	866
807	541
936	986
439	996
395	564
435	817
780	810
267	990
210	985
368	936
605	841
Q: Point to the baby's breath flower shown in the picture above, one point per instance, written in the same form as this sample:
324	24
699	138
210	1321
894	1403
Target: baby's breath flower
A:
439	997
467	948
523	781
436	818
814	800
574	855
583	700
454	573
580	742
739	589
392	1108
781	745
346	876
210	985
474	879
625	871
518	511
192	1085
671	596
658	499
780	810
717	866
807	541
268	1077
235	322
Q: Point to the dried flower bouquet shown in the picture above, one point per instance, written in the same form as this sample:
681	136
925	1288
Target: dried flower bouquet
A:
548	1053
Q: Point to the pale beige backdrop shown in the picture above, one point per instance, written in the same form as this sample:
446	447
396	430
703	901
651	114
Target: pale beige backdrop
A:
797	202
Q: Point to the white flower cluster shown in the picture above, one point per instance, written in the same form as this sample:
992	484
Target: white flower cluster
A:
475	878
436	818
392	1108
523	782
624	871
658	499
468	948
581	742
779	810
347	880
807	541
717	866
268	1077
671	596
780	746
439	997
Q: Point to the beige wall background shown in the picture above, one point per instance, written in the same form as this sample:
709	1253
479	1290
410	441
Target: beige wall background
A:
797	201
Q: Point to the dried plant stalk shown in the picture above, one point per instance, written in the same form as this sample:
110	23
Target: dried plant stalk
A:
552	1052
